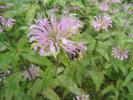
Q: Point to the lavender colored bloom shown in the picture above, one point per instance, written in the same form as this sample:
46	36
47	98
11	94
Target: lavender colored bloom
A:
83	97
120	53
7	23
114	11
130	35
48	36
2	7
2	20
113	1
104	7
128	8
93	2
130	11
5	6
32	72
102	23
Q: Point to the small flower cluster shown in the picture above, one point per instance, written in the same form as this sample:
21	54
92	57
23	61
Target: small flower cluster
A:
32	72
128	8
5	6
5	73
113	1
105	21
102	23
6	22
119	53
83	97
50	36
104	7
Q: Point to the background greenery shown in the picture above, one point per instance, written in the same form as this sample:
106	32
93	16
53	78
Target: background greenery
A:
97	74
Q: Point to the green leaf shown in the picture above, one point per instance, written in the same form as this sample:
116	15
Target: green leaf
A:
50	94
2	47
12	88
128	79
68	84
35	89
97	78
108	89
36	58
7	58
21	43
31	13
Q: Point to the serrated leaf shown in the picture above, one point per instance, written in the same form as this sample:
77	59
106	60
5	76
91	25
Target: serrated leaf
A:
21	43
128	79
31	13
2	47
35	89
68	84
108	89
50	94
97	78
35	58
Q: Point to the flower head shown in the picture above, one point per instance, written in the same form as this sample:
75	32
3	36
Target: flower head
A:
113	1
7	23
73	49
83	97
130	35
102	23
48	36
104	7
114	11
120	53
2	20
32	72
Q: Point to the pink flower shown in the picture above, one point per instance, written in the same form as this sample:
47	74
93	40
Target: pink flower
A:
119	53
114	11
2	20
104	7
32	72
7	23
102	23
48	36
83	97
73	48
113	1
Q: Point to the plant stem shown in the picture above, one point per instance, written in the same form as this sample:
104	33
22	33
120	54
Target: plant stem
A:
127	18
9	38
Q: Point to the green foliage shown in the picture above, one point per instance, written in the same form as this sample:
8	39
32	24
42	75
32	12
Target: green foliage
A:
97	74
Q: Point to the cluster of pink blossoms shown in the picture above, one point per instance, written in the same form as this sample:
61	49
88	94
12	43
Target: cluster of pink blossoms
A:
49	36
120	53
83	97
102	23
6	22
104	7
113	1
31	73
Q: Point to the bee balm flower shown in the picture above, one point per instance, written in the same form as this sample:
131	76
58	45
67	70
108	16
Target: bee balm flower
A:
113	1
7	23
32	72
83	97
104	7
119	53
102	23
48	36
